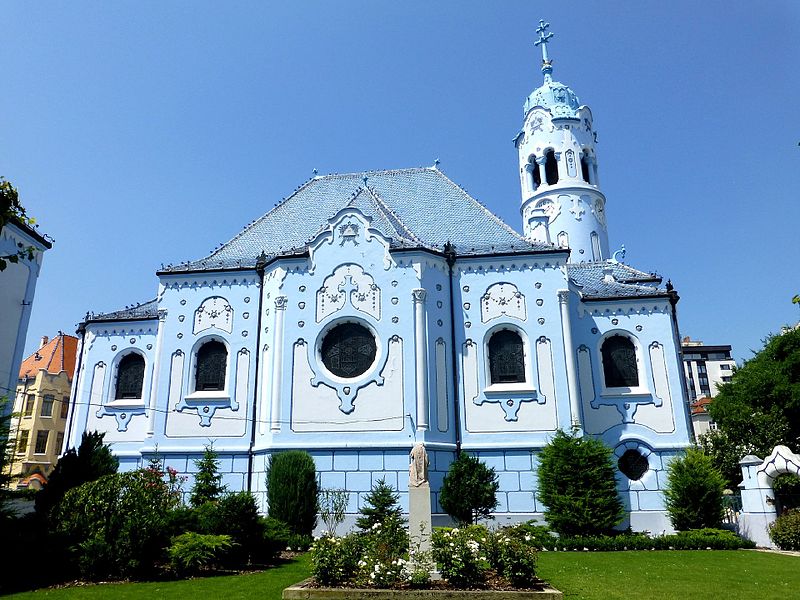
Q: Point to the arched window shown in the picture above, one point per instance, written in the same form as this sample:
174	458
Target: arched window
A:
348	350
506	357
551	167
619	362
212	361
130	377
534	166
585	168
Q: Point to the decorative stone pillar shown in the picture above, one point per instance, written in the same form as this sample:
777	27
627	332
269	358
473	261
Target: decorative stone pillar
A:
569	356
151	421
277	362
421	354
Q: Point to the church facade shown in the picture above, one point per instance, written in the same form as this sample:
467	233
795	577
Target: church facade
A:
370	312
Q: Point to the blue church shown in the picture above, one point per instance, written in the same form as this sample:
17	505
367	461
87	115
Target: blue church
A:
369	312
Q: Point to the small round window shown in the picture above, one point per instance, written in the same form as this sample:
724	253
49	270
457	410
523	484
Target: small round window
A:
633	464
348	350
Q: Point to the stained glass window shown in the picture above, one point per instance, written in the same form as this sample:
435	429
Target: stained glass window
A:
130	377
348	350
619	362
212	361
506	357
633	464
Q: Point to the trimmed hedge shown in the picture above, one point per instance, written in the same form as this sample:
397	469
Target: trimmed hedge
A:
785	531
699	539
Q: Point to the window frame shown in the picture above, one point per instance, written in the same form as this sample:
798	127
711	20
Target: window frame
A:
527	365
39	433
638	390
193	392
23	441
30	404
115	389
48	400
377	360
64	410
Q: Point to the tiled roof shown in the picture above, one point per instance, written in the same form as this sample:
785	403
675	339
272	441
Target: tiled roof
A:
146	310
700	406
418	207
607	279
55	356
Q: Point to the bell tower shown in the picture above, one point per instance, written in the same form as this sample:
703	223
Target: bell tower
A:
561	200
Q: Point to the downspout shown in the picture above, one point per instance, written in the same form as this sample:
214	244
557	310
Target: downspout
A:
82	331
450	257
261	263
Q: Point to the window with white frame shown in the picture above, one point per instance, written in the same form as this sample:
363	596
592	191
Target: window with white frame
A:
130	377
211	366
506	357
47	405
620	369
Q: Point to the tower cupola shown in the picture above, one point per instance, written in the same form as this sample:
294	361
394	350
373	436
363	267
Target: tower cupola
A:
561	200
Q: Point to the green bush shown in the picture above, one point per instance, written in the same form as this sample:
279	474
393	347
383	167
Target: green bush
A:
275	537
469	490
380	503
117	525
693	496
785	531
335	561
192	552
463	555
700	539
298	543
577	484
292	490
89	462
514	558
384	549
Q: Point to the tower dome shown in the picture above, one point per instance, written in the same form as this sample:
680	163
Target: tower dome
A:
561	200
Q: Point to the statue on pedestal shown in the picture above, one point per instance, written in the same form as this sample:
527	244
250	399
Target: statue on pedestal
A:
418	470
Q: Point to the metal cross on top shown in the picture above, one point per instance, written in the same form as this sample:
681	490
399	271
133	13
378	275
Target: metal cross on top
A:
544	37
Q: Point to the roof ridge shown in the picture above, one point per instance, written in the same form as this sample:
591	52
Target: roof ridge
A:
391	215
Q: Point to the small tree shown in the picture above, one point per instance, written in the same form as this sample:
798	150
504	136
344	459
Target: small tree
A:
332	506
469	490
92	460
694	492
380	503
292	490
577	484
207	481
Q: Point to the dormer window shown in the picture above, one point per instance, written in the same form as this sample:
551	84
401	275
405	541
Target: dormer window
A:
551	167
130	377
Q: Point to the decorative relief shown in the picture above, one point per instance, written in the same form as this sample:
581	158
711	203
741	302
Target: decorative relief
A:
350	283
577	209
213	312
503	299
600	212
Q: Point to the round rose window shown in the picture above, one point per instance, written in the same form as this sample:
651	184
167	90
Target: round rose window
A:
348	350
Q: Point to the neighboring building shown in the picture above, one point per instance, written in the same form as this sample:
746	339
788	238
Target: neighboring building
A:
17	287
41	409
371	311
705	367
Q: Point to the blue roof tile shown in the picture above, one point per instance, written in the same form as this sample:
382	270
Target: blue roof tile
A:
607	279
421	207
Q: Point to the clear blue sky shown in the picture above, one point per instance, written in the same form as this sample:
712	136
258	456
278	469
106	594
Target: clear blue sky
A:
141	133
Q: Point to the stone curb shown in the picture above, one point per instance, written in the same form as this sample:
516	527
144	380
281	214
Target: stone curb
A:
301	591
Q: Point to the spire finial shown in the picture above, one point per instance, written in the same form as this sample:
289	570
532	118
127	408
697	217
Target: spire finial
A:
544	38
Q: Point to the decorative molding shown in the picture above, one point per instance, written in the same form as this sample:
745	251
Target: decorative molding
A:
214	312
351	283
503	299
419	295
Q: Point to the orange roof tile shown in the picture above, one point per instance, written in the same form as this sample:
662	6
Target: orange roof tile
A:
700	406
55	356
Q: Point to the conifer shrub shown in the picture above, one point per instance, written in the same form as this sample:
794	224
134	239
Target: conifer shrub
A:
785	531
208	480
578	486
292	490
379	504
693	496
469	490
193	552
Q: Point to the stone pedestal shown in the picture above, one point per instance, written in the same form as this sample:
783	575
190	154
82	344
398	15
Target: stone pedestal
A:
419	526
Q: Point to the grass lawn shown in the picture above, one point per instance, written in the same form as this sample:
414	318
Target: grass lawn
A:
674	574
698	574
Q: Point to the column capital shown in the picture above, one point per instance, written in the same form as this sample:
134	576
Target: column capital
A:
563	296
419	295
281	302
